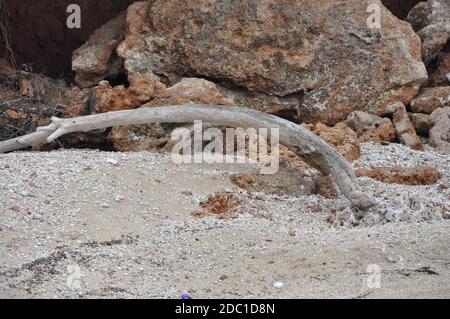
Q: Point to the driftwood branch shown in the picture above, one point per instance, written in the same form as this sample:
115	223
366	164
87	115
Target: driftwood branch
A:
312	149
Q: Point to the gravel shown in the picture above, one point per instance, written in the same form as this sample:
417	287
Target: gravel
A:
75	225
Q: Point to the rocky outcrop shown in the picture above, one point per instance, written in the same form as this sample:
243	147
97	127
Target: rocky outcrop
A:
431	21
97	60
404	127
430	99
248	50
371	128
341	137
419	175
440	131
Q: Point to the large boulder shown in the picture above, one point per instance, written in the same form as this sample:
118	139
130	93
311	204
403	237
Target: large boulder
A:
431	20
325	65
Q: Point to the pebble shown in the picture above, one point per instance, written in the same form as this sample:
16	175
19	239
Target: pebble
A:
448	77
38	216
118	198
278	285
112	162
25	194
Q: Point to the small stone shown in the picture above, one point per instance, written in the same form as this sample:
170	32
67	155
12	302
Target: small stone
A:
448	77
15	208
278	285
316	209
118	198
112	162
37	216
105	205
25	194
223	277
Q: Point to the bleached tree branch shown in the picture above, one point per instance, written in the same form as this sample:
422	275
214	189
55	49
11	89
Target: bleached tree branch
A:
312	149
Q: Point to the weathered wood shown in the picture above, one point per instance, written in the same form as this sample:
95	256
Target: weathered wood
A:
312	149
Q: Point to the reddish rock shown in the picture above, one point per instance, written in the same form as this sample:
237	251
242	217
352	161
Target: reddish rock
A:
143	88
341	137
371	128
77	101
225	205
430	99
440	131
316	65
191	90
154	137
404	127
419	175
421	122
384	133
137	138
431	21
316	208
97	60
